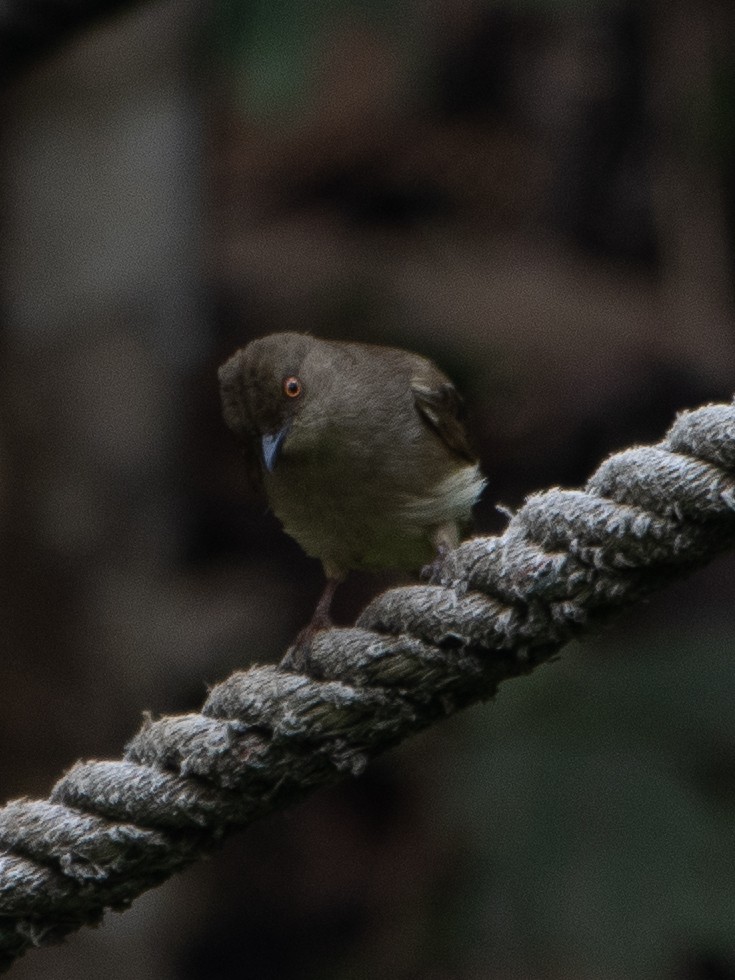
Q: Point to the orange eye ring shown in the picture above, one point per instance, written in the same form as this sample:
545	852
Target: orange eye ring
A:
291	386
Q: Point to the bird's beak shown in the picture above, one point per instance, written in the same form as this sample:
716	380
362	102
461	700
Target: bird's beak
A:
271	446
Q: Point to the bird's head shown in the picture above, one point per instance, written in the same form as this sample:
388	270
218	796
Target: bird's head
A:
263	391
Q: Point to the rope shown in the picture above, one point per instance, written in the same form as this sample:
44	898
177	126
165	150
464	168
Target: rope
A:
265	737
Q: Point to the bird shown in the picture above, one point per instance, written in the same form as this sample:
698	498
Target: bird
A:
360	449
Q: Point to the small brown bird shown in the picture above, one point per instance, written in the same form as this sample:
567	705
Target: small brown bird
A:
359	448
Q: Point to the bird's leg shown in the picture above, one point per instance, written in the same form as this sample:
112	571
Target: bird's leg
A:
298	655
444	539
321	619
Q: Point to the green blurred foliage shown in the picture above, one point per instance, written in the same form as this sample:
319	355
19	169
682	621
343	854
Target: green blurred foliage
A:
597	819
271	49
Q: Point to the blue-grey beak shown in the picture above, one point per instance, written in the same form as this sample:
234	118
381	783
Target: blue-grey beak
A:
271	446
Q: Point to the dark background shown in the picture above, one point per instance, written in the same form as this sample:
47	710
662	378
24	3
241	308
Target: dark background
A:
538	195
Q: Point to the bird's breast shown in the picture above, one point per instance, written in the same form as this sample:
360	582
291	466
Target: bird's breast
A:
356	513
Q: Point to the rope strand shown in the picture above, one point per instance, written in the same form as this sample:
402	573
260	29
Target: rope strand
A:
267	736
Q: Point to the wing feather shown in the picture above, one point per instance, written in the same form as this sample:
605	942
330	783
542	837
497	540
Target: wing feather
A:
440	406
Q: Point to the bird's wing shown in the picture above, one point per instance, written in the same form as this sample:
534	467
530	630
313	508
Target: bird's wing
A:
440	406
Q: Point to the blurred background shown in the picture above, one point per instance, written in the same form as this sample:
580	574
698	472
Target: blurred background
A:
540	196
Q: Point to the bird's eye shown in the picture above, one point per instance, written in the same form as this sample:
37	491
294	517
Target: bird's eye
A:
291	387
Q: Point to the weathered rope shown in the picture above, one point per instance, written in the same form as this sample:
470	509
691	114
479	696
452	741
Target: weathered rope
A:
268	735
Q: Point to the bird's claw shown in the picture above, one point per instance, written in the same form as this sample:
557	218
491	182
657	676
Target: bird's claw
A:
431	573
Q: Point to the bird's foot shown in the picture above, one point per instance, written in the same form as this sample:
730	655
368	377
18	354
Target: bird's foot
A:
298	655
431	573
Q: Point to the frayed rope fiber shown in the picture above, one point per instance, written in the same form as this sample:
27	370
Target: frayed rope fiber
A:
265	737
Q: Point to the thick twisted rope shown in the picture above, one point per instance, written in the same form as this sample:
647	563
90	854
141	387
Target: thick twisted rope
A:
268	735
